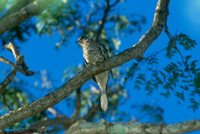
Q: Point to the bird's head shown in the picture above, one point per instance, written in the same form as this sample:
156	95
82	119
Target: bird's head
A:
82	40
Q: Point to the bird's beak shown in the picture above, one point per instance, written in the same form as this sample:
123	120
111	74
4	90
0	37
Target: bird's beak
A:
77	42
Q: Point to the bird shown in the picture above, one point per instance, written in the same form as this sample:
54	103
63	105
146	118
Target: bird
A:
94	52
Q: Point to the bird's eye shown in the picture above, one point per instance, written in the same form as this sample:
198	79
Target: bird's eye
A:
87	41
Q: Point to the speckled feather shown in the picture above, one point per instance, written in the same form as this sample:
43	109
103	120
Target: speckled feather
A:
92	53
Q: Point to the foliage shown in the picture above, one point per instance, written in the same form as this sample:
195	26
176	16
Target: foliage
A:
149	113
179	76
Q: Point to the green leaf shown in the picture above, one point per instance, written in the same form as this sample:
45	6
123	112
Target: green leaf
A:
194	104
180	95
197	81
185	41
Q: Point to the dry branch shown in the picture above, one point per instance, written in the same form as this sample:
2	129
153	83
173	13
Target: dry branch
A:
20	65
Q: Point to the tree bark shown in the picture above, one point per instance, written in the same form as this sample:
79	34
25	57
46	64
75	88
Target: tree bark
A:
83	127
13	19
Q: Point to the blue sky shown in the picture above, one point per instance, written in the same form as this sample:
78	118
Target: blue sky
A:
40	53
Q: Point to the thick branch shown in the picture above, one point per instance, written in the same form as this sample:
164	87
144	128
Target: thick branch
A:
16	6
83	127
52	98
24	13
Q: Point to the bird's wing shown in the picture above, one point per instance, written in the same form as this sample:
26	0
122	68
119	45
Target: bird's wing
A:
105	54
86	63
104	51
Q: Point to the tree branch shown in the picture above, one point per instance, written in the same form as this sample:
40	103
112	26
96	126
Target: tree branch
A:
91	111
103	21
24	13
83	127
19	63
77	108
62	120
16	6
19	69
11	75
54	97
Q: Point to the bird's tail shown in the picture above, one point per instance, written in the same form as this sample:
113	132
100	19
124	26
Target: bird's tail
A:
104	101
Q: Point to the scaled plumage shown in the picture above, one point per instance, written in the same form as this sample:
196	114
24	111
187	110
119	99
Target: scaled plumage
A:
92	53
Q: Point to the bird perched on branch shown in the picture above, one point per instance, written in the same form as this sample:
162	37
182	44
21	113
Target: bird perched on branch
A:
94	52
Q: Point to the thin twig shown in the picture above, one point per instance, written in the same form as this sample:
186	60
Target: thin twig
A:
77	107
10	76
4	60
91	112
173	39
19	62
115	3
103	21
156	53
23	68
105	16
19	69
61	120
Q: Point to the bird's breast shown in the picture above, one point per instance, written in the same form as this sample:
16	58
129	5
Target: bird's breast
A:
92	56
